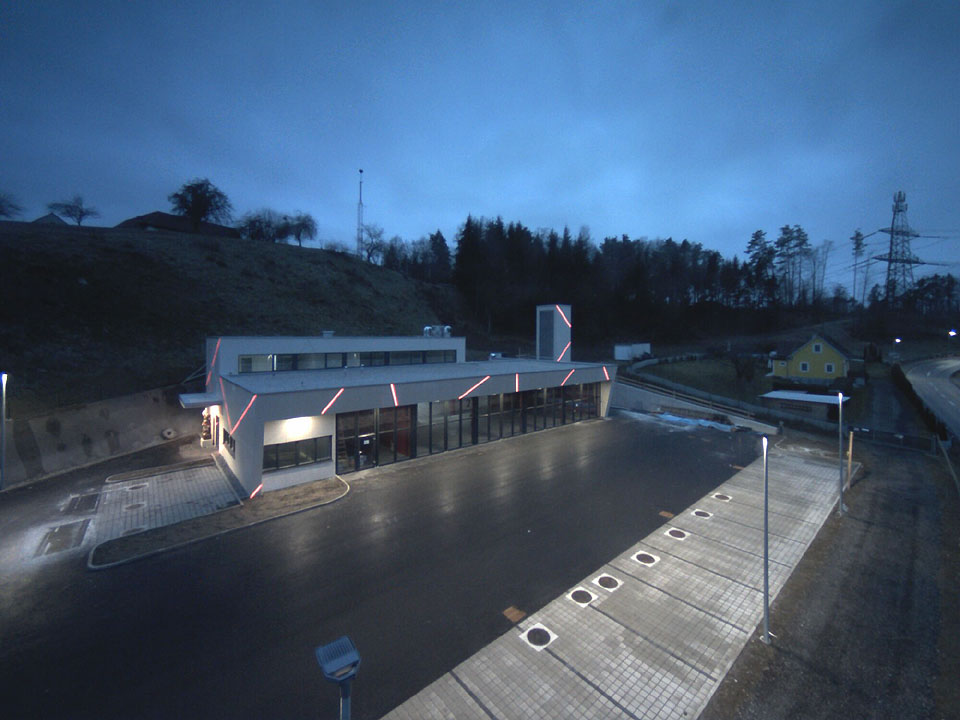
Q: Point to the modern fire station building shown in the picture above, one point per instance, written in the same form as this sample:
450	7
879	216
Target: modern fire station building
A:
287	410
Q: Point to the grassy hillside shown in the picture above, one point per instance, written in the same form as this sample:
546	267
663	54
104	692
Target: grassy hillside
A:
87	313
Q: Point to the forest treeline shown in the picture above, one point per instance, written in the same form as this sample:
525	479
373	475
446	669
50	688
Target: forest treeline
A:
630	288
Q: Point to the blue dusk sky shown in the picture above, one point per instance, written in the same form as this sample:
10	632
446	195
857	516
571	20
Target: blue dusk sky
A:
696	120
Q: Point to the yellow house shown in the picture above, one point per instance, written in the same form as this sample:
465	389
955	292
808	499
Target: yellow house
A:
818	360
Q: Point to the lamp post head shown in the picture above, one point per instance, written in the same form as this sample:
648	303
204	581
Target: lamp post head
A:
3	379
897	340
952	333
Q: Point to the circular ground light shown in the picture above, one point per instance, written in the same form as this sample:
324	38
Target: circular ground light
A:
538	637
645	558
701	513
720	496
581	596
608	582
679	534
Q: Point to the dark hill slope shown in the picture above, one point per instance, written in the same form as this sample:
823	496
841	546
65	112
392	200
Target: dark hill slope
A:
87	313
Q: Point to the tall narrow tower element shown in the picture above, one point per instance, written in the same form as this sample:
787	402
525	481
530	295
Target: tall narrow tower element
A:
360	218
900	259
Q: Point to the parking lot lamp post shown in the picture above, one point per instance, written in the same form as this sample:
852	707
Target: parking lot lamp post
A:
339	661
840	451
766	548
3	433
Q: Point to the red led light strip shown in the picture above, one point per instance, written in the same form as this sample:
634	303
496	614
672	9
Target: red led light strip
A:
564	351
474	388
330	404
563	316
223	394
393	391
567	377
605	373
243	414
254	493
214	361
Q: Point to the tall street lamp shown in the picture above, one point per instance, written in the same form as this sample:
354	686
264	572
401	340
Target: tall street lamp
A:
840	445
3	432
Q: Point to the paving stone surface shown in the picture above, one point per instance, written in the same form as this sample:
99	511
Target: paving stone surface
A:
162	499
657	644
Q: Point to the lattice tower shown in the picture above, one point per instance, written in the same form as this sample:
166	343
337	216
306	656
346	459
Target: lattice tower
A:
900	259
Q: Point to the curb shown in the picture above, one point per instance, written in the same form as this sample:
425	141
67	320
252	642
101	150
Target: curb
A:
105	566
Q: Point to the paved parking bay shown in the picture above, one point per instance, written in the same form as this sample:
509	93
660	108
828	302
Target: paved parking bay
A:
651	633
162	498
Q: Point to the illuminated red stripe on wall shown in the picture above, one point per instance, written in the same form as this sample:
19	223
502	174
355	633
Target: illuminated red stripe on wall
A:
254	493
214	361
563	316
223	394
605	373
243	414
393	391
332	401
518	383
474	388
567	377
564	351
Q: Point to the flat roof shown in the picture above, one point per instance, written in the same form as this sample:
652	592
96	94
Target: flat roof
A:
798	396
299	380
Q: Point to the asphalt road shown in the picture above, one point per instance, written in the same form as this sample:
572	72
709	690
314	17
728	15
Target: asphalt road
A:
416	564
931	379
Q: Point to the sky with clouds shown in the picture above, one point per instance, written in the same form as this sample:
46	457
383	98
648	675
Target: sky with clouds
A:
697	120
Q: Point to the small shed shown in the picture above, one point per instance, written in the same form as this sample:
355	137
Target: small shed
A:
819	407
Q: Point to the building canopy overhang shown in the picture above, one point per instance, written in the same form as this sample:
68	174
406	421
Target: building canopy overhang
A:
193	401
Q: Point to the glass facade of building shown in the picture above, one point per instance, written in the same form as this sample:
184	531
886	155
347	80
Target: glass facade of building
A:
387	435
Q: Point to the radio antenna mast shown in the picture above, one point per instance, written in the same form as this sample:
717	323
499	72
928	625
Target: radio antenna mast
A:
360	218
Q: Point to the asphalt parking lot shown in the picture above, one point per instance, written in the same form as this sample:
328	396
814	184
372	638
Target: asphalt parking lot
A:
417	564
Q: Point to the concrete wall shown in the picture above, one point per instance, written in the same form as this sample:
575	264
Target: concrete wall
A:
79	435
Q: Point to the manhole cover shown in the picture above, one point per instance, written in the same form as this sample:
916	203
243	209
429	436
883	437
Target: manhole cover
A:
678	534
645	558
721	496
134	506
701	513
538	636
581	596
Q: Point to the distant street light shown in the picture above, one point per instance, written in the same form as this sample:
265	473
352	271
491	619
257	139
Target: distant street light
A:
896	341
3	432
952	333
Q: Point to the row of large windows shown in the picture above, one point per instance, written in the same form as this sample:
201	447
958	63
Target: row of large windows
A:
387	435
296	453
322	361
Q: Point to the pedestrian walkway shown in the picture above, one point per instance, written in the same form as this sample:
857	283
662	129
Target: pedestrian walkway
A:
652	633
159	499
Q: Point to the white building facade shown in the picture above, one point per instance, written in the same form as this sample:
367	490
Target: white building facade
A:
288	410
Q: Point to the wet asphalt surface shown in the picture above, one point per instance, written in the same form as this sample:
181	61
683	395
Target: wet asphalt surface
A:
416	564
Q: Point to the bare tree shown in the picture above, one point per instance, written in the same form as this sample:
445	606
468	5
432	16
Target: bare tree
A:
264	225
8	206
302	225
201	201
74	209
373	244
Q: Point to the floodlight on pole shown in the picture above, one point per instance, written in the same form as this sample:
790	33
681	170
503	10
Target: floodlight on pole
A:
840	451
3	432
766	547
